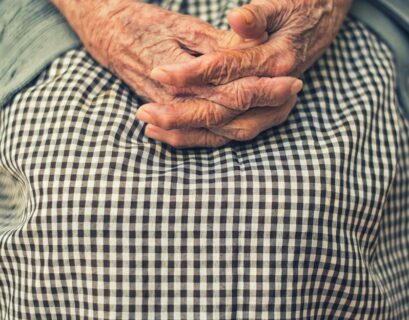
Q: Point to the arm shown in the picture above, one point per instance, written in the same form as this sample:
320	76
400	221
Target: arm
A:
131	38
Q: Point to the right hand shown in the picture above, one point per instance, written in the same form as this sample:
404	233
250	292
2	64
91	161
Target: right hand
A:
132	38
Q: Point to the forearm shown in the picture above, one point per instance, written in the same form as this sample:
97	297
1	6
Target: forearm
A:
88	17
77	11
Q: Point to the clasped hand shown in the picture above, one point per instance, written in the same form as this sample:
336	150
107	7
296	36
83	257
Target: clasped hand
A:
205	86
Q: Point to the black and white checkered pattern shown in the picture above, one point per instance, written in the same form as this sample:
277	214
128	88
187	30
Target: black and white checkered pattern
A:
308	221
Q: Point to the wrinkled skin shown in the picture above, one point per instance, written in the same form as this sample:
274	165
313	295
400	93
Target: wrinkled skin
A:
132	38
299	32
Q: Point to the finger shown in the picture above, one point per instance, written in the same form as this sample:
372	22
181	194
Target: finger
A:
227	102
201	38
192	113
250	92
182	138
251	123
248	22
270	59
251	20
231	40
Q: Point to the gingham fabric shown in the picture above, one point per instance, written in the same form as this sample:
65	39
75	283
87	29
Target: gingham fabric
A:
308	221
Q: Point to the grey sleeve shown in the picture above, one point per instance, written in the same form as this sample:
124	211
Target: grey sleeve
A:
32	34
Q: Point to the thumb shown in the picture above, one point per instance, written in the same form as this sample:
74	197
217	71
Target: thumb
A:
231	40
251	21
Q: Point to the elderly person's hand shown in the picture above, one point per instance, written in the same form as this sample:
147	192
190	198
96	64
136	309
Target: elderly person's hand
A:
299	31
132	38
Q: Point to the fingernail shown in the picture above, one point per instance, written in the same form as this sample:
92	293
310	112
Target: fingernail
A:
160	75
296	87
147	111
248	15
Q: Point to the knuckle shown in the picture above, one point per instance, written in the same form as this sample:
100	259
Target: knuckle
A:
211	117
281	64
263	95
218	72
254	60
243	97
287	64
251	92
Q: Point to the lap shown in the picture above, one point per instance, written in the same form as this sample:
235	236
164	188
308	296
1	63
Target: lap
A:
282	226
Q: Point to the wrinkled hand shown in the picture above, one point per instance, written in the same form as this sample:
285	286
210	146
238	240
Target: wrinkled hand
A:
132	38
299	31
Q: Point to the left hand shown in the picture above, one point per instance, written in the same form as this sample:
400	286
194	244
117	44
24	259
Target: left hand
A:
299	32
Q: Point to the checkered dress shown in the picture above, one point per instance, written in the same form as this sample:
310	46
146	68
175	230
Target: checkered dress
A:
308	221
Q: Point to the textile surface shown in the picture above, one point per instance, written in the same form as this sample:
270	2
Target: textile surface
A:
32	35
308	221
